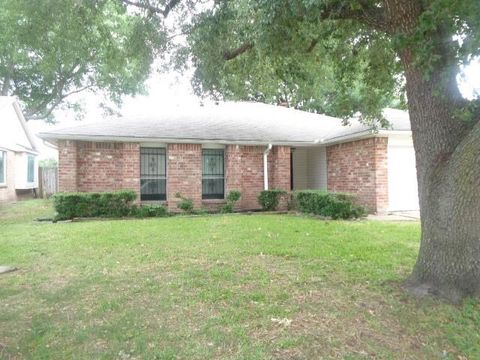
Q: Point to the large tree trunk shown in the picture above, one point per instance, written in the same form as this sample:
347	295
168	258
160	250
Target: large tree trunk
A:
448	171
447	152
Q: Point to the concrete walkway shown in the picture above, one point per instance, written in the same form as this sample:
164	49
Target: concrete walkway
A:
397	216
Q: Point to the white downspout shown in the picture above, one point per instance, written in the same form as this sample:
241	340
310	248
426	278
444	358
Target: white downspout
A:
265	166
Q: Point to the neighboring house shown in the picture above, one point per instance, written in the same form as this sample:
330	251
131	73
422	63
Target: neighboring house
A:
18	153
205	152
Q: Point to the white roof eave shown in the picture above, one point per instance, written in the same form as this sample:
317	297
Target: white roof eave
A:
100	138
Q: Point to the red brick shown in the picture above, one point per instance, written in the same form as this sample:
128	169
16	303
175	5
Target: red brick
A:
360	168
106	166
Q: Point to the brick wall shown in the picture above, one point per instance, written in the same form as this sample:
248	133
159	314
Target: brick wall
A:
107	166
244	171
99	166
360	167
184	173
67	165
279	171
279	159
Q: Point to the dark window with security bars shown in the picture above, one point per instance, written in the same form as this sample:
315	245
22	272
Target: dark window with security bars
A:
213	174
153	180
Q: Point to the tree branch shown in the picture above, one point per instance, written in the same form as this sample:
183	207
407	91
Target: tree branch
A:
232	54
168	7
370	15
6	81
37	115
312	45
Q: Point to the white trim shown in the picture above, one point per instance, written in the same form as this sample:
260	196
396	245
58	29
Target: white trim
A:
28	167
153	145
213	146
352	137
98	138
23	122
265	166
364	134
396	132
4	167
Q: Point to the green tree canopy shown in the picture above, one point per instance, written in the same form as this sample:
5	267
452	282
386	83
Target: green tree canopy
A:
343	57
337	57
51	49
284	51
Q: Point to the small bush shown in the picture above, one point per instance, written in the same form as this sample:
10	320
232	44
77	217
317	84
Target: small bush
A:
232	197
269	199
334	205
150	211
227	208
108	204
185	204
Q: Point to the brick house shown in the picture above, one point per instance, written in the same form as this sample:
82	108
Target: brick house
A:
18	154
204	153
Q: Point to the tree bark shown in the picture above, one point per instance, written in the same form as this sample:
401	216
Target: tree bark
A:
447	153
448	172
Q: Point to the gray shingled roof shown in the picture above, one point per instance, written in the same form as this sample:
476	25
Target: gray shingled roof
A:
238	122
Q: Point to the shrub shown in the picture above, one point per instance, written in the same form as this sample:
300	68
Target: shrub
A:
150	211
334	205
232	197
110	204
269	199
227	208
185	204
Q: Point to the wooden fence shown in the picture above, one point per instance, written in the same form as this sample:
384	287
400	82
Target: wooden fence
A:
47	181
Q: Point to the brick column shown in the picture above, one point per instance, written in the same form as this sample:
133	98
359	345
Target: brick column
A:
279	176
184	173
233	170
381	174
130	167
251	176
67	165
280	170
360	168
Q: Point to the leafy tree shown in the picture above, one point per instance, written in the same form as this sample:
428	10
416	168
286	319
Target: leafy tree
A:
334	56
51	49
279	58
347	56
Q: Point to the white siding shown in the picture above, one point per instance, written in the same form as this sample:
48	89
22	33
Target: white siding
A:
300	170
402	174
310	168
317	168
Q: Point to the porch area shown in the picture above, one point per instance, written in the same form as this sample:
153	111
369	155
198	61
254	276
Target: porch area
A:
308	168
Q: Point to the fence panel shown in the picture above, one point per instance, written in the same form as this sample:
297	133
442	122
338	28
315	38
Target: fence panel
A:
48	181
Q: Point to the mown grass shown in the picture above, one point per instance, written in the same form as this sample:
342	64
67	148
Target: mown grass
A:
219	287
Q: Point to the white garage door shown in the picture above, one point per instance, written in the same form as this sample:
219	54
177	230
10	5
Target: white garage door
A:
402	178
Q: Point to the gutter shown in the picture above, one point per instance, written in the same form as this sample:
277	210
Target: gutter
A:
265	166
55	137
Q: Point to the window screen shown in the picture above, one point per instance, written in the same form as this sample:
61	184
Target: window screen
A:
30	168
153	179
213	174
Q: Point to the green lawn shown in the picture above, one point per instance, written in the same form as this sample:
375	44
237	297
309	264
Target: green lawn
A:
219	287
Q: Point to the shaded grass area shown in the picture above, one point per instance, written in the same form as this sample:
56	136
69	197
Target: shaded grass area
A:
219	287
